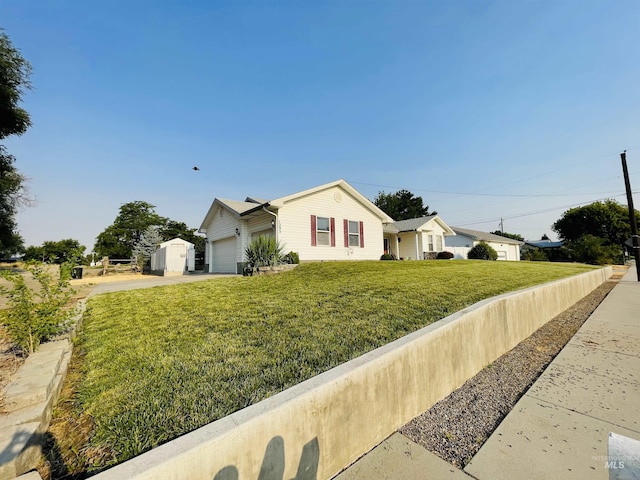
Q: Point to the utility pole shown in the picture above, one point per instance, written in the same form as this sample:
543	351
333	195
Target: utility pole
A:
635	239
501	226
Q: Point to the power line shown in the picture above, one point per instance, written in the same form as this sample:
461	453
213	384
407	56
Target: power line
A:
527	214
517	195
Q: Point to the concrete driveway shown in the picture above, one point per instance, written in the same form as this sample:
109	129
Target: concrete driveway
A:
149	281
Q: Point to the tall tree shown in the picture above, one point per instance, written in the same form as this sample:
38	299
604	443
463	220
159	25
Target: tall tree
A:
146	245
118	240
12	195
173	229
14	80
66	250
607	220
14	120
595	233
402	205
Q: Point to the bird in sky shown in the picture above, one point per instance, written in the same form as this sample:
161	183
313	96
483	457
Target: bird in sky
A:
196	169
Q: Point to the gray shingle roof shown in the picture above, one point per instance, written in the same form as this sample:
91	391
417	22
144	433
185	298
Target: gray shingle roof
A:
237	206
484	236
412	223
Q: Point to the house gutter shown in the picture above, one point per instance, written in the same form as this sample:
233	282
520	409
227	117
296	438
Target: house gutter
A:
276	220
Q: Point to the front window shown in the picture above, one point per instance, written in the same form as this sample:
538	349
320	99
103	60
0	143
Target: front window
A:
430	243
354	234
323	231
439	243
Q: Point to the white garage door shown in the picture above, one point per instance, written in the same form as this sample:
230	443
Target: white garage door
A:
224	255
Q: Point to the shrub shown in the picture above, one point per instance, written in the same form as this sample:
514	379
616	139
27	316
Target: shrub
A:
387	256
292	258
534	255
482	251
444	256
593	250
37	313
263	251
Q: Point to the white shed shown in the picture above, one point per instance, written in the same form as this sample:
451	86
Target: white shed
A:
173	257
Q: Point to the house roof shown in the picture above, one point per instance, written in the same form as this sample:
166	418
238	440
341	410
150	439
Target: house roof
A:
240	208
543	243
176	240
256	200
484	236
236	207
415	224
253	204
364	201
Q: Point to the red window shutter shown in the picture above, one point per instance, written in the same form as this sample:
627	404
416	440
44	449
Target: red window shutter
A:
346	233
333	232
361	234
313	231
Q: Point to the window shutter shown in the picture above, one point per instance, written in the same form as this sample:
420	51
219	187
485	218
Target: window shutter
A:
361	234
332	227
346	233
313	231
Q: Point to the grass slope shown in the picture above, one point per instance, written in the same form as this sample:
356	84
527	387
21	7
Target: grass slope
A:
161	362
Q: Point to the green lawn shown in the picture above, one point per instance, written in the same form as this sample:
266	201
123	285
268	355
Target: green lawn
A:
161	362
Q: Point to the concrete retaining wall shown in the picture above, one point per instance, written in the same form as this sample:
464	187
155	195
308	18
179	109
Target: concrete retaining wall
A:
319	427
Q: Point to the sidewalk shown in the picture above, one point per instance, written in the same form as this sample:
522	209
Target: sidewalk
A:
560	427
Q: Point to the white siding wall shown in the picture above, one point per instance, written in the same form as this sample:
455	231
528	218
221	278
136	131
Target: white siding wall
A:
458	241
221	226
408	246
294	226
460	245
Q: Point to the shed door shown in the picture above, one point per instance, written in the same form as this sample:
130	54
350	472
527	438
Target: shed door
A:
224	255
176	258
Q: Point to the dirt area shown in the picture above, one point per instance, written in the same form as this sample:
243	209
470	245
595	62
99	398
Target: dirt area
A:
456	427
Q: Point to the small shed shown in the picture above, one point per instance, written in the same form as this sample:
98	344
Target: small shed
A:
174	257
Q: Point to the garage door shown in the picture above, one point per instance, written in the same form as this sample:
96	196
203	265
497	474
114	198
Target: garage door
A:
224	255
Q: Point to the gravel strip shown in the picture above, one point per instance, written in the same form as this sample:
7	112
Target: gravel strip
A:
456	427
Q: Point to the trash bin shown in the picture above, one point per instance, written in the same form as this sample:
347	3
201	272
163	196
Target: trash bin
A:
76	272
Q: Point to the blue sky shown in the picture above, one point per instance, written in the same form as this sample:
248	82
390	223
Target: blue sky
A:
512	109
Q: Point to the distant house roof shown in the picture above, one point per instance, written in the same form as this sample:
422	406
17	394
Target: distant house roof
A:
484	236
543	243
415	224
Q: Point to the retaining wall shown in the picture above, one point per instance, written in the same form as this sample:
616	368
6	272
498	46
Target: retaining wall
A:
319	427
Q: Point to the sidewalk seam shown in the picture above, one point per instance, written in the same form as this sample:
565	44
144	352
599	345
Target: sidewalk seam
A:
583	414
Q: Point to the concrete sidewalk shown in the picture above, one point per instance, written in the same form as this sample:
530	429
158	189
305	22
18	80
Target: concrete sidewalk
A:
560	428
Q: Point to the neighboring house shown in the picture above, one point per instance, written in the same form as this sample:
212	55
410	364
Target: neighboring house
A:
417	238
551	250
173	257
465	240
329	222
543	243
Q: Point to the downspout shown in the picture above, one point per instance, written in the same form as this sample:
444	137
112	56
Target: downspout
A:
417	248
276	222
